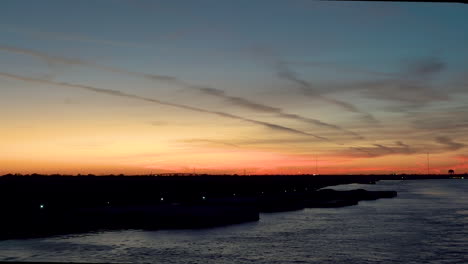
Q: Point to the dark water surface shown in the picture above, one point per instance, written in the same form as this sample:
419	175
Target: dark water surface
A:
426	223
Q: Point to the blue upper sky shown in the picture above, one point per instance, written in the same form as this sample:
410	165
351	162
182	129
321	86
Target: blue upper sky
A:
183	34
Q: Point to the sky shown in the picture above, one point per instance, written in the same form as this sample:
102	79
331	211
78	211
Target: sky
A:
233	87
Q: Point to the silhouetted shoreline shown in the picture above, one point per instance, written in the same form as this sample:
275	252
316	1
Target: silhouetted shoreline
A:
37	205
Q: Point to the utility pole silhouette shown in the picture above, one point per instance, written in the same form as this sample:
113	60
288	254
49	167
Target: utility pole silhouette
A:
316	166
427	163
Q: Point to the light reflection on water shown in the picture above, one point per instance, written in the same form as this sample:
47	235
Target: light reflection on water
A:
424	224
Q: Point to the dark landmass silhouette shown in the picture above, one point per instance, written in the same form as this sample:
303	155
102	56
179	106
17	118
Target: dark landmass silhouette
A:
39	205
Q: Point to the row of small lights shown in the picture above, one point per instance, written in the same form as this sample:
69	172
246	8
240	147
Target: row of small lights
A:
42	206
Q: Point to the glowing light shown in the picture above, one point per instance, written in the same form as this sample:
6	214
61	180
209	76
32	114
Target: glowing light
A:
203	197
162	198
41	206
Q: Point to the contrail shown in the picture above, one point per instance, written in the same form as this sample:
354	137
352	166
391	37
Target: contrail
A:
307	88
239	101
268	109
152	100
78	62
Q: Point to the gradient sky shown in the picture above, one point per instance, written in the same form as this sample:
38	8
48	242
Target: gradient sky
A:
292	86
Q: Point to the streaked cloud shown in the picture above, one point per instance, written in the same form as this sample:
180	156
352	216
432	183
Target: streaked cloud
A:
69	37
449	120
443	144
246	103
285	72
218	93
369	91
449	143
411	87
425	67
210	142
181	106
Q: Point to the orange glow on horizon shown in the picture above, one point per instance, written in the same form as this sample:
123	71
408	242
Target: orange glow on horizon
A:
238	162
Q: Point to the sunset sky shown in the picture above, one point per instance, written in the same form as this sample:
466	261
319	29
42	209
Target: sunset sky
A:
288	87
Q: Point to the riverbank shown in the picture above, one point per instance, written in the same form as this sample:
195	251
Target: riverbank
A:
46	205
424	224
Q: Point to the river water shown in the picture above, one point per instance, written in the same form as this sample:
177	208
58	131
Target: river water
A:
426	223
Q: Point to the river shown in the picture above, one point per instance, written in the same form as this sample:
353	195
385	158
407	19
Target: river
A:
426	223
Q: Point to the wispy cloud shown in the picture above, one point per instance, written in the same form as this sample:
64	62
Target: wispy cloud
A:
74	37
246	103
69	36
159	123
412	93
450	120
444	144
218	93
410	87
425	67
156	101
337	68
285	72
77	62
210	142
248	142
378	150
449	143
